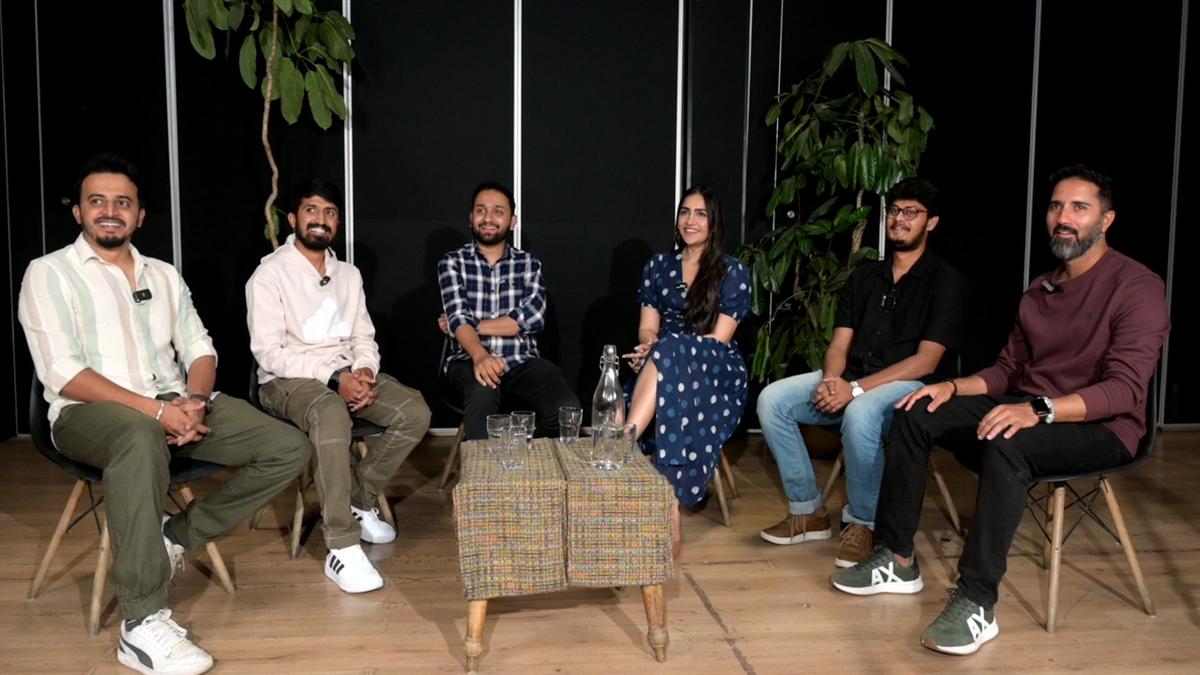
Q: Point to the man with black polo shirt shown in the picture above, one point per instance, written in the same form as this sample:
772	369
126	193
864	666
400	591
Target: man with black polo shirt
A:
897	318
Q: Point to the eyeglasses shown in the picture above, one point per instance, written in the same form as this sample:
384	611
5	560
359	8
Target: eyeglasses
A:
910	212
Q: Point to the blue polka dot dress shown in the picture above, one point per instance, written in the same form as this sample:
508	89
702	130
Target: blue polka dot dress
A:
702	381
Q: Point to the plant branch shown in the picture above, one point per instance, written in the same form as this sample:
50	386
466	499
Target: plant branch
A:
272	230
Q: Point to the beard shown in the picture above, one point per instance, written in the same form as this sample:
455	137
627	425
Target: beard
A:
315	241
488	240
1068	249
110	241
901	245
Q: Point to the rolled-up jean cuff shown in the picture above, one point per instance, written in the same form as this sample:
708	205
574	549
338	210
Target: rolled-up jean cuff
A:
848	517
804	508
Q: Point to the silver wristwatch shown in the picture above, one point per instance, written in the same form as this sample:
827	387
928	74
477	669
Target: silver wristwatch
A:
856	389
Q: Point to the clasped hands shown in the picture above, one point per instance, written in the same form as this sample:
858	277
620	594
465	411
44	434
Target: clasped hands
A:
183	421
832	395
357	388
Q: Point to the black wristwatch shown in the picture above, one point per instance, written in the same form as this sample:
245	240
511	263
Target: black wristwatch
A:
334	382
206	400
1044	407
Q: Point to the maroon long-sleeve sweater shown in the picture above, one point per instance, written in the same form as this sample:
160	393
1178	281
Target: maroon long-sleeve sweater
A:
1098	335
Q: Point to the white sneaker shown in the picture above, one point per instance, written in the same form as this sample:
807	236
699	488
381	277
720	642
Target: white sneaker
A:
159	645
174	551
375	530
350	569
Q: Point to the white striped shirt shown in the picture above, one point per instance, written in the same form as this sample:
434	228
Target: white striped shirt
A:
78	312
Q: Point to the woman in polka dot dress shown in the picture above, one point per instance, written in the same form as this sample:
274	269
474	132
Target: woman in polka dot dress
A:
691	387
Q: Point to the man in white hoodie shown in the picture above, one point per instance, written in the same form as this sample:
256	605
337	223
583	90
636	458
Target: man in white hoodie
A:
318	366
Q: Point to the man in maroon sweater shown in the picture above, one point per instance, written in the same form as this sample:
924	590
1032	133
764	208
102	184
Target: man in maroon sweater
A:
1068	394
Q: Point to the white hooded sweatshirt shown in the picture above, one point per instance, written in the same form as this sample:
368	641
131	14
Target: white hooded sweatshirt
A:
300	327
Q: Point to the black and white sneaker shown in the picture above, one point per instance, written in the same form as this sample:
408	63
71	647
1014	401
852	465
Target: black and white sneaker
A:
350	569
158	645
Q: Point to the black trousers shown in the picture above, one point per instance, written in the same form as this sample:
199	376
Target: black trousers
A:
536	384
1006	468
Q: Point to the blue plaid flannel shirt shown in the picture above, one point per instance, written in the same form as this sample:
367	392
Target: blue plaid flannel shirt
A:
473	290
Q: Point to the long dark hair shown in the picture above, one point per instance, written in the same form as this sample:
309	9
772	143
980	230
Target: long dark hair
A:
703	302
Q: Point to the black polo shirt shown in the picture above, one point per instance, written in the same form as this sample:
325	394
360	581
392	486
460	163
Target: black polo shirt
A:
889	320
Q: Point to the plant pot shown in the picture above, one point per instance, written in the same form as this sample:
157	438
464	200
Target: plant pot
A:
822	442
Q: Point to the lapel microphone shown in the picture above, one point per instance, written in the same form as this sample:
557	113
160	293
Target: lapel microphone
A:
325	280
1049	286
141	296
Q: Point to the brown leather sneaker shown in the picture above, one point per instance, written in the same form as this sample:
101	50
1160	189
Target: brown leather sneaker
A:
798	529
857	543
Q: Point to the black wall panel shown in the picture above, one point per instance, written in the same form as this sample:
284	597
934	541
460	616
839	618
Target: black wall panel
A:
433	118
1183	360
598	166
976	85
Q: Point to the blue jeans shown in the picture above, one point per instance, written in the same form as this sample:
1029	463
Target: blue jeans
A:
864	423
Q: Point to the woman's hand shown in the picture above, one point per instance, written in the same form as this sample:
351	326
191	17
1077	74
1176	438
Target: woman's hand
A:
637	358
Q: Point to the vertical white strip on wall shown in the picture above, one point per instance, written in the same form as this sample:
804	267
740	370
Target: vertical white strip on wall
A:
1033	105
1162	381
37	68
516	188
348	154
775	146
679	106
888	37
12	315
172	132
746	115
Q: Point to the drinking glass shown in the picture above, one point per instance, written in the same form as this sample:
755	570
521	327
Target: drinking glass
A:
496	426
525	419
570	419
514	448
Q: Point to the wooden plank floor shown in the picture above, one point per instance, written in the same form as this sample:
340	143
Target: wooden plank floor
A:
735	605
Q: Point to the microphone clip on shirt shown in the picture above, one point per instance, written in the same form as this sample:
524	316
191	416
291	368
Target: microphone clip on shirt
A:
142	295
1050	286
324	280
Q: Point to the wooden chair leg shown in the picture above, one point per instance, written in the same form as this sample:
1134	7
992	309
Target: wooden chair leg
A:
385	509
1127	545
833	474
656	620
452	458
214	555
298	516
473	644
946	498
258	516
728	472
56	539
1048	510
102	560
721	496
1060	497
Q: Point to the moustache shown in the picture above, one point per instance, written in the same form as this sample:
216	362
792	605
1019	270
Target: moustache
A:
1063	229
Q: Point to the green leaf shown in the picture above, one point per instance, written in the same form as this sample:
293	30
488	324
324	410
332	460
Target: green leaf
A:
301	28
864	66
836	57
334	42
248	61
773	114
256	13
237	12
333	98
218	14
924	120
199	29
305	7
885	54
291	89
779	271
284	6
316	99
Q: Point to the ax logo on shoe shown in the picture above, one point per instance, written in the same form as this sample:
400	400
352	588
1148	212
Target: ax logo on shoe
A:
976	623
335	564
877	578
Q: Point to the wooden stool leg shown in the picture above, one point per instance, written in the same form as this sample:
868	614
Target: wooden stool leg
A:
102	560
257	516
833	474
1060	496
298	516
476	616
214	555
725	469
453	456
656	620
949	501
721	496
1127	545
55	539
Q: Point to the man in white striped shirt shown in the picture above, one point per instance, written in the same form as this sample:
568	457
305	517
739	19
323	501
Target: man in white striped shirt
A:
107	329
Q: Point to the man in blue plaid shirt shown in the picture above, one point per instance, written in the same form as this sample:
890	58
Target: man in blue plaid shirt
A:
495	304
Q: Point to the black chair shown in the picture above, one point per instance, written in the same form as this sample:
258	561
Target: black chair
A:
1054	502
183	470
359	430
452	403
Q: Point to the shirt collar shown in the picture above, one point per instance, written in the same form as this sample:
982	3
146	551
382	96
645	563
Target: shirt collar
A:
85	252
918	269
473	246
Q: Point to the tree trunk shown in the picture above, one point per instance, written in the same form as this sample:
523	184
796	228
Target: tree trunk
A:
268	210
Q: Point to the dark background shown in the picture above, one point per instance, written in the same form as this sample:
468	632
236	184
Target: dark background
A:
433	116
